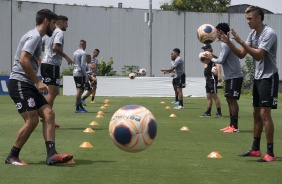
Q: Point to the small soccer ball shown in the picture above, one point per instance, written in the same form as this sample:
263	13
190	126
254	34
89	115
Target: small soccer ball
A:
206	33
133	128
132	76
203	58
214	70
142	72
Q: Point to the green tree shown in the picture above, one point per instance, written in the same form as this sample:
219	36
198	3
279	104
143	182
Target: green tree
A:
127	69
106	69
219	6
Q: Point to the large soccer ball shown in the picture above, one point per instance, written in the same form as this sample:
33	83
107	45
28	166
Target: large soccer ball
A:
214	70
133	128
206	33
202	57
142	72
132	76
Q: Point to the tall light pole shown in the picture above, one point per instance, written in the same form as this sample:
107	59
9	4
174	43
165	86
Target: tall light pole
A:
150	41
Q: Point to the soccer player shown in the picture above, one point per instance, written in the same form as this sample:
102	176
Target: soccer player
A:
52	60
26	90
261	44
88	85
233	79
178	66
211	85
174	79
94	67
79	74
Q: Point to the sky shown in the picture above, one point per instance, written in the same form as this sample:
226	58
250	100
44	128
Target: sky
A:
272	5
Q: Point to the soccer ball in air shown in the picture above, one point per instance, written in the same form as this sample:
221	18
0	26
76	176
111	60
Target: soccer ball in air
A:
142	72
214	70
203	58
132	76
206	33
133	128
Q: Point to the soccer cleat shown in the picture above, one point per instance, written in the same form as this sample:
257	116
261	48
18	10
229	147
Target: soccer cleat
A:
56	125
15	161
59	159
179	107
267	158
205	115
83	110
217	115
92	102
251	153
83	102
175	102
80	111
223	129
231	130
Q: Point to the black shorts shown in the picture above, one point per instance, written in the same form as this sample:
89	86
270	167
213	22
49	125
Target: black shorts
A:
50	74
211	86
265	92
25	96
79	82
181	81
174	81
233	88
87	86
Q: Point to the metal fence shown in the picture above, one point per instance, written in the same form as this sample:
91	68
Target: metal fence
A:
121	33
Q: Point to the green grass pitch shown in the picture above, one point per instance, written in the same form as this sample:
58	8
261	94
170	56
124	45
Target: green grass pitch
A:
174	157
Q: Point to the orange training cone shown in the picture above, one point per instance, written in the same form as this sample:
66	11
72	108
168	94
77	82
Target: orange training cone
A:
184	128
99	116
88	130
172	116
86	145
102	107
162	102
94	123
71	162
106	101
106	105
167	107
100	112
214	154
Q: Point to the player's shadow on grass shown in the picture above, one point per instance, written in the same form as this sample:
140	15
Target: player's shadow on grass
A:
77	162
246	131
278	159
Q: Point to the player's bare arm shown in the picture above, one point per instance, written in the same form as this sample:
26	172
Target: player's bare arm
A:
57	49
241	53
218	67
25	58
167	70
257	54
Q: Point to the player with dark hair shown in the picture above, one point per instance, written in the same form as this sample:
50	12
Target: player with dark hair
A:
178	66
26	90
261	44
79	74
211	85
94	68
233	79
52	60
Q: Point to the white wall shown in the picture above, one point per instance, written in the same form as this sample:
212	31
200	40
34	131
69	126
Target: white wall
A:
139	87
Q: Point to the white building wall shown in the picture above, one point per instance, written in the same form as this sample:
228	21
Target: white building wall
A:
121	33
